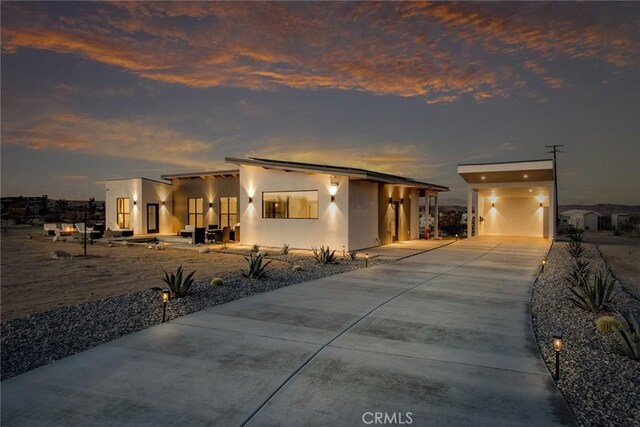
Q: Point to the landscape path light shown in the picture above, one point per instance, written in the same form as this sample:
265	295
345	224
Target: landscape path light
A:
165	299
366	260
558	346
456	237
544	262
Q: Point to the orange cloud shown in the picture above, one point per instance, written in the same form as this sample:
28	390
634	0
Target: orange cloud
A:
439	51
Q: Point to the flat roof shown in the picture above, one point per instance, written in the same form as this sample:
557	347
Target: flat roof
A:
355	173
137	177
503	172
213	173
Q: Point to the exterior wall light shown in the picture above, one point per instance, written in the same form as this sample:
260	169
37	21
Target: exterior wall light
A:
163	203
390	200
483	177
540	204
493	205
558	346
165	299
210	205
402	201
250	199
333	198
135	202
525	176
366	260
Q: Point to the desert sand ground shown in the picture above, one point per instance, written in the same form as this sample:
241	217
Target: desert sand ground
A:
622	254
32	282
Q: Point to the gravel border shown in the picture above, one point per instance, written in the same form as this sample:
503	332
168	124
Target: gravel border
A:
33	341
601	386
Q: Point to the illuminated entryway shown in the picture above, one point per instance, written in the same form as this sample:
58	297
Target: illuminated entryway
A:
512	199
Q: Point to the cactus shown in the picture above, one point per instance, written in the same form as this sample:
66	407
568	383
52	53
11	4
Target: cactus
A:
216	281
297	268
606	324
628	333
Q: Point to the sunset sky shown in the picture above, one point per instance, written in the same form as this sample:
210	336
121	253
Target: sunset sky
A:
92	91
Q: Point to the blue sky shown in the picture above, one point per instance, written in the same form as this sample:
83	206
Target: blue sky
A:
92	91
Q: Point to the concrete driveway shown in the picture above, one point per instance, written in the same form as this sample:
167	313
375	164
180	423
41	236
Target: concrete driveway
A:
440	338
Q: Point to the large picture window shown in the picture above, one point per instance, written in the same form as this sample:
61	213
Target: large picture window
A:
123	212
290	204
228	211
195	211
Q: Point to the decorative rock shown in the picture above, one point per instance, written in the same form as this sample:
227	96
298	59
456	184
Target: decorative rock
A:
60	255
150	247
297	268
204	250
216	281
110	245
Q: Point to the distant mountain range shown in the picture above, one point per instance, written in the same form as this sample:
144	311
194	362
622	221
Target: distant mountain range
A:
604	209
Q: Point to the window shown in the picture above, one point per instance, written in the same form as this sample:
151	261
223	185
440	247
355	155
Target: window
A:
228	211
290	204
122	212
195	211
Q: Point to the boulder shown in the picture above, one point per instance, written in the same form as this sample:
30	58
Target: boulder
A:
60	255
204	250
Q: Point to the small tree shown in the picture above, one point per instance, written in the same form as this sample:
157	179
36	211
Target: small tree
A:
92	206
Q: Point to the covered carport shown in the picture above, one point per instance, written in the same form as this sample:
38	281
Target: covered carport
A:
511	198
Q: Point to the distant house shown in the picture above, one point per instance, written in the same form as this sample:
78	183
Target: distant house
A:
276	202
581	219
619	220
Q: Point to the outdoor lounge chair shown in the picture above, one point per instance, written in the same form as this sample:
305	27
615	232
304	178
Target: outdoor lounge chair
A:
50	229
89	231
187	231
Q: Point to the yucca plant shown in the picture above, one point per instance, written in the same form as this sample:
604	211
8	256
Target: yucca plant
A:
285	249
255	247
575	249
595	296
255	268
324	255
579	274
178	287
575	234
628	332
353	255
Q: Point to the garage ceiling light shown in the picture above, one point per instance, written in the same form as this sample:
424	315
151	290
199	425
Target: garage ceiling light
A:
526	176
483	177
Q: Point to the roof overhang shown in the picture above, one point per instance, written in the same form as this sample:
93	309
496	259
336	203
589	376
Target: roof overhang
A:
508	172
204	174
353	173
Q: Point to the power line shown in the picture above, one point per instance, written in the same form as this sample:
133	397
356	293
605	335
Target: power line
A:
554	150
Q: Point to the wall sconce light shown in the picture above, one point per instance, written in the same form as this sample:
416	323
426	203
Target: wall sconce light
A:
163	203
390	200
334	183
402	201
558	346
135	202
366	260
165	299
250	199
210	205
540	204
525	176
493	205
333	198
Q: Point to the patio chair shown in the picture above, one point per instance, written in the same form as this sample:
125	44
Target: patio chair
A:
50	229
187	231
235	233
225	234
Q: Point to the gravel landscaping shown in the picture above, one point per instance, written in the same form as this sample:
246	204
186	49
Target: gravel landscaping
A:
601	386
37	340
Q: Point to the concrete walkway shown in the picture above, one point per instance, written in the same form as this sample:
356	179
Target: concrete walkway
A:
444	335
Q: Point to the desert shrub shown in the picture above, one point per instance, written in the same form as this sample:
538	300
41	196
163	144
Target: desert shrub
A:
178	287
285	249
255	268
575	234
216	281
324	255
353	255
627	331
579	273
596	295
255	247
575	249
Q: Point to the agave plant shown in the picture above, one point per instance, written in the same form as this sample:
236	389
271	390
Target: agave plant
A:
255	268
579	274
178	287
628	333
575	249
324	255
575	234
255	248
353	255
285	249
595	296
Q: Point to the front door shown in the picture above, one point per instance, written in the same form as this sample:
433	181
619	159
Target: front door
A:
153	224
396	219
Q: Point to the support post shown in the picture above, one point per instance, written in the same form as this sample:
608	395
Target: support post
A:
470	212
436	218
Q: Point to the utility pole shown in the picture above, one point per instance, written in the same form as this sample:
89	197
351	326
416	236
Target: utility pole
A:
554	150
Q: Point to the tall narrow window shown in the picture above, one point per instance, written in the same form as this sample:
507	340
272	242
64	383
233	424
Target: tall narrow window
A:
228	211
122	212
195	211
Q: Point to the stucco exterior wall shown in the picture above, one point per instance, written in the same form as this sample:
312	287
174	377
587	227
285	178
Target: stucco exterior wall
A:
331	228
512	216
363	214
208	188
143	192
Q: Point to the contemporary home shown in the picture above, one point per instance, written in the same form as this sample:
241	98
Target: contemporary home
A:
276	202
512	198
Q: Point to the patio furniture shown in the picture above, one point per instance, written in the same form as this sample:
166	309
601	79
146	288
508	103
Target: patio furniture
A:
83	229
50	229
198	235
225	234
235	233
187	231
214	235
